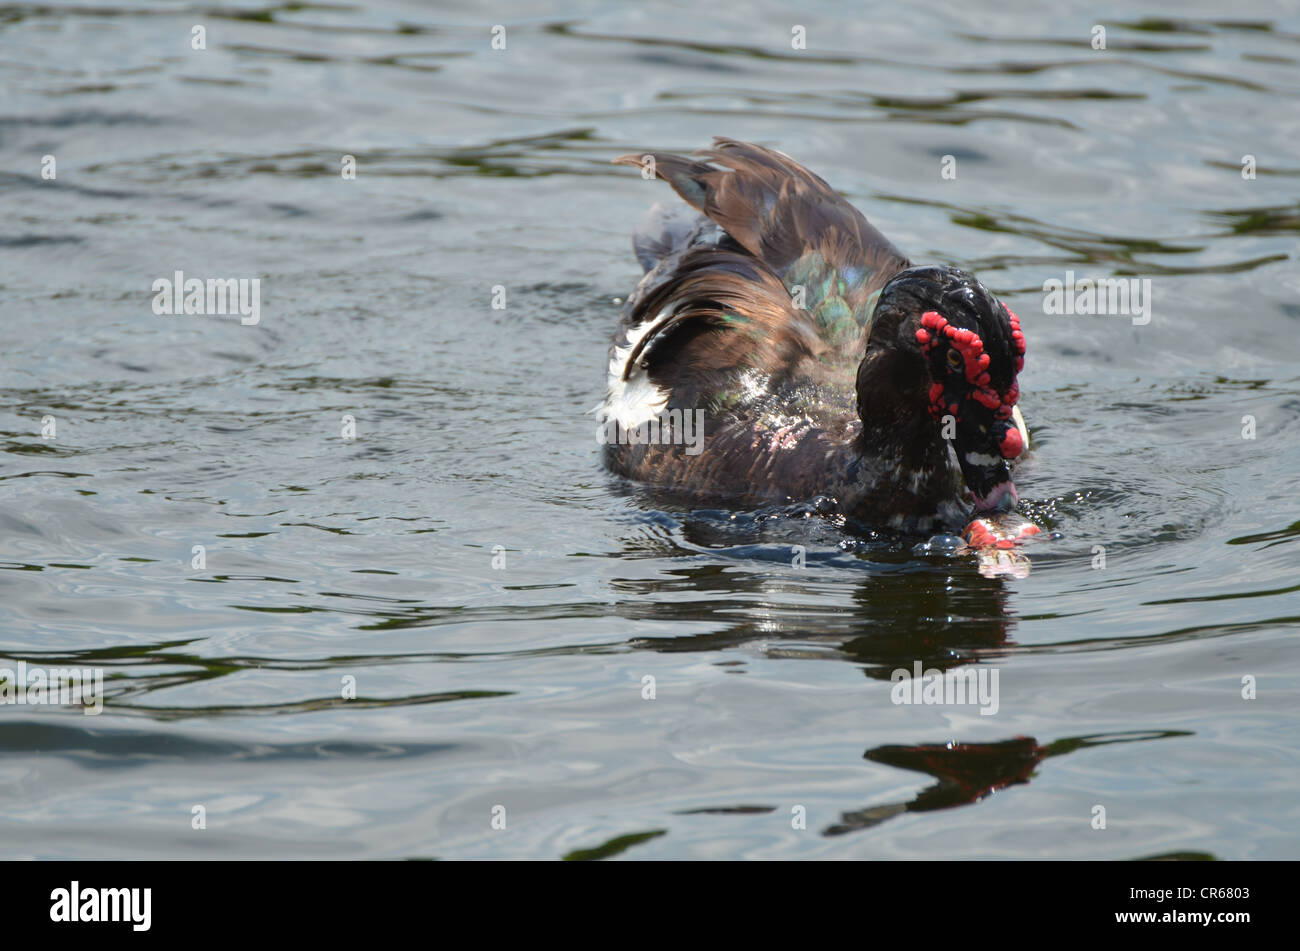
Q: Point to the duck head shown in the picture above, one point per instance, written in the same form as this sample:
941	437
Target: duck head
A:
941	365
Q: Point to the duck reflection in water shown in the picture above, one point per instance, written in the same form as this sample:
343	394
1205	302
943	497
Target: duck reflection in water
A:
968	772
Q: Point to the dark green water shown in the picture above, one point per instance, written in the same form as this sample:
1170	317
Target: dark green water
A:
521	686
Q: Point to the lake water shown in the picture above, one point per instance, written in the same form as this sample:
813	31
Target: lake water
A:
464	569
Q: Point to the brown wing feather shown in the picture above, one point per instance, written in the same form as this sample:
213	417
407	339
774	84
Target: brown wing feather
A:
722	311
777	209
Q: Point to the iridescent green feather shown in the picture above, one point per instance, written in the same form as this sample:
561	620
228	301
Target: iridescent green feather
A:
826	293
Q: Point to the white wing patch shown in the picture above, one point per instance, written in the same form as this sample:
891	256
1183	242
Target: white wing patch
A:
636	399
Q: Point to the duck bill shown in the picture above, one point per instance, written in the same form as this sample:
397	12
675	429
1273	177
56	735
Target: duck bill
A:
989	480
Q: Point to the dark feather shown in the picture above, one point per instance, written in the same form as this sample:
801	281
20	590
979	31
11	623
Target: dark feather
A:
785	216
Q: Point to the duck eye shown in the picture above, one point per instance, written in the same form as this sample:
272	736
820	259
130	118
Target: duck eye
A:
954	359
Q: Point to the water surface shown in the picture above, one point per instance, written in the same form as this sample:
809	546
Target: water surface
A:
497	597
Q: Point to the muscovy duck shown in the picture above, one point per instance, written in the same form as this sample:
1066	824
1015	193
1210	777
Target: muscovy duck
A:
780	349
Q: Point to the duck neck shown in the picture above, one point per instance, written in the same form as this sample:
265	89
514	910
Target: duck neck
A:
905	463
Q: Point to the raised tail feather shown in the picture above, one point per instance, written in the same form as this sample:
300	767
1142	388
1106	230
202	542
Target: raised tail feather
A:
829	257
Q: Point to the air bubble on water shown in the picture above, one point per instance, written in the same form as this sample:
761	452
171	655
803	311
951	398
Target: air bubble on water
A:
939	545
